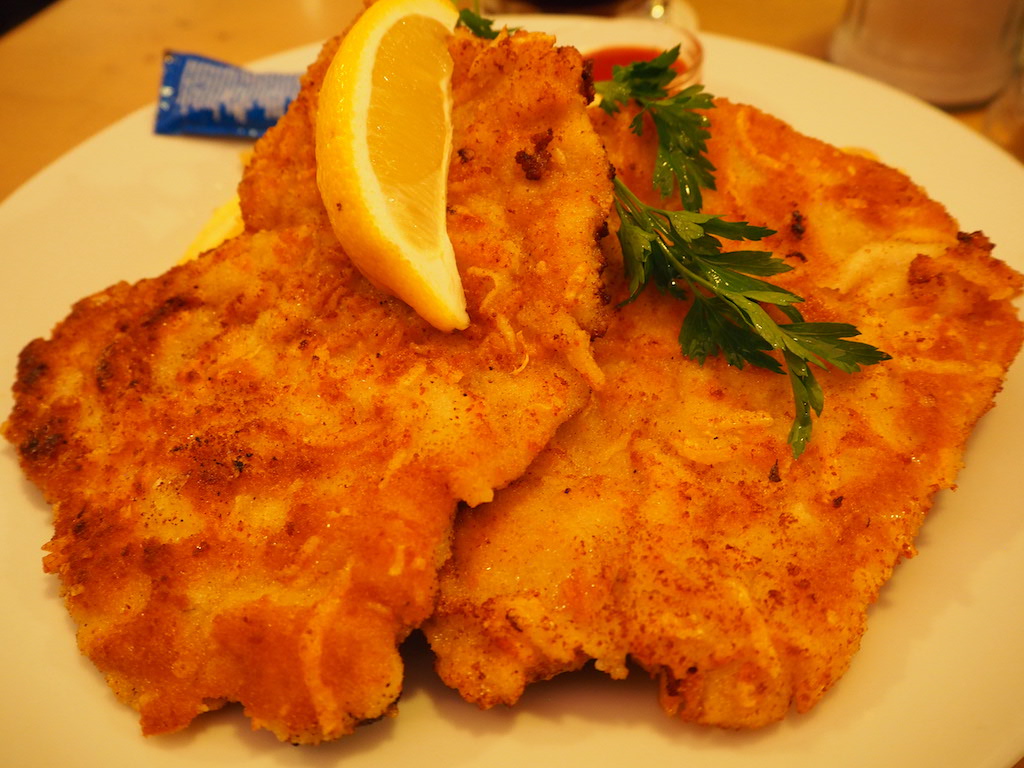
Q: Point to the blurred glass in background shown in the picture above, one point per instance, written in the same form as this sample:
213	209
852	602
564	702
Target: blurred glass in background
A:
952	53
679	13
1004	119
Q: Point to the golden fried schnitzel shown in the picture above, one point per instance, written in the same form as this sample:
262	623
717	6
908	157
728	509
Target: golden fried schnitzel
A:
668	524
254	459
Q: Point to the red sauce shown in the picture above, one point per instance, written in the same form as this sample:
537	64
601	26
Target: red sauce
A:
606	58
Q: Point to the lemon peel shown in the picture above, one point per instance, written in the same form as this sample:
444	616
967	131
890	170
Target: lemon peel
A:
383	144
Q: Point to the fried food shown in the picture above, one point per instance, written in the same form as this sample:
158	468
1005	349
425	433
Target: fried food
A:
254	459
668	526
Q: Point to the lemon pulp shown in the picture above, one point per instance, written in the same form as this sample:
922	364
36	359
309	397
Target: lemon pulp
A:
383	143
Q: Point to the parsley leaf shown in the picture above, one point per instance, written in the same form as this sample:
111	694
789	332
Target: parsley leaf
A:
682	131
639	80
477	24
680	252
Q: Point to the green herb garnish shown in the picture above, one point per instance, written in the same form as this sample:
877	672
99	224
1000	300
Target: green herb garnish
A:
477	24
680	251
682	131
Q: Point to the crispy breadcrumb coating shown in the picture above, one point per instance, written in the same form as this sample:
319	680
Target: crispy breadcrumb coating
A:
254	459
668	524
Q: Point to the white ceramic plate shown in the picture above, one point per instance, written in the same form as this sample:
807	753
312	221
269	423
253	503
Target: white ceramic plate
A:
940	677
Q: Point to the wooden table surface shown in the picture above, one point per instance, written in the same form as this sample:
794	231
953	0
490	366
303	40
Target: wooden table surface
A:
79	65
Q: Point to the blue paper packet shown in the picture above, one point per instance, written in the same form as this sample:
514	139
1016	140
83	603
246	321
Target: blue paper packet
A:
207	97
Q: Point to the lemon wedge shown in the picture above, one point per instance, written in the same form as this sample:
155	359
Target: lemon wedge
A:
383	142
224	223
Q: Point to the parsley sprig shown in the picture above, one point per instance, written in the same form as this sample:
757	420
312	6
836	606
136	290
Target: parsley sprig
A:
480	26
681	252
733	311
682	130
